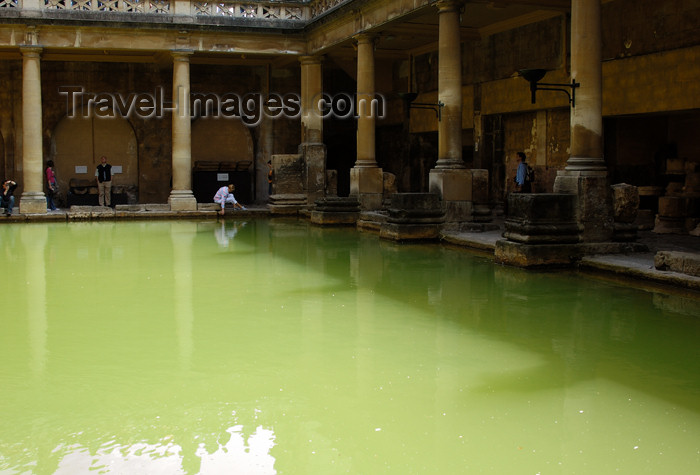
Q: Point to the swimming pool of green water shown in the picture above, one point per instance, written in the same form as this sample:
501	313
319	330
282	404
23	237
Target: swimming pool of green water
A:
262	347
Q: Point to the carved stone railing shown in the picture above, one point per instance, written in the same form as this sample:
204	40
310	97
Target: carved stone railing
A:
260	11
270	10
127	6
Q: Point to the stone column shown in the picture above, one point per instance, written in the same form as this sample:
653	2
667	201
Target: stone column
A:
450	178
586	174
33	199
181	197
366	178
312	148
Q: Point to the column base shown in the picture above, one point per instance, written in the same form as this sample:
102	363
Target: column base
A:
182	200
367	184
454	187
32	202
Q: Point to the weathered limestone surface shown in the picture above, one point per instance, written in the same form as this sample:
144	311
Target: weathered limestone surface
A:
413	216
540	218
625	207
336	210
683	262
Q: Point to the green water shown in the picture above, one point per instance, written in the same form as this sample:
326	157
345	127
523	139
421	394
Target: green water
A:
276	347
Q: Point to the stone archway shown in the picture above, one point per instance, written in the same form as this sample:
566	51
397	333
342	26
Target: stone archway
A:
76	147
222	150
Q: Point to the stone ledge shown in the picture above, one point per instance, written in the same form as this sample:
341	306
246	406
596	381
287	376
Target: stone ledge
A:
676	261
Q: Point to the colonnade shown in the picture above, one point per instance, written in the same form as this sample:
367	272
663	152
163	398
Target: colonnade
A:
450	178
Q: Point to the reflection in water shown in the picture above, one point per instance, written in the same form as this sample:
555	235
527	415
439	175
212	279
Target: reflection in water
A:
226	231
235	457
182	235
238	456
34	239
362	356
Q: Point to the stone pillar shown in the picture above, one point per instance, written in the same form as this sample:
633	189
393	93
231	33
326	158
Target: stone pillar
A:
366	178
586	174
181	197
312	148
450	178
33	199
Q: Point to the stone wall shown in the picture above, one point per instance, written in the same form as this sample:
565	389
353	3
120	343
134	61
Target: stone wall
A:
152	180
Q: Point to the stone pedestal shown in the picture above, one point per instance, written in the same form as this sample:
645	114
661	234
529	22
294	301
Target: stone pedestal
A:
542	218
625	206
413	217
454	187
367	184
336	211
32	202
671	217
594	202
288	194
314	157
481	209
540	230
182	200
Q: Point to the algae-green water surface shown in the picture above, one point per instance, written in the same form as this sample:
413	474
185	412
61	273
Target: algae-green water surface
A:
267	347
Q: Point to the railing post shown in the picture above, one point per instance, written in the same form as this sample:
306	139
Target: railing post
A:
182	7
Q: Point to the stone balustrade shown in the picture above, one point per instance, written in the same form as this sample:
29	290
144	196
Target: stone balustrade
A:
270	10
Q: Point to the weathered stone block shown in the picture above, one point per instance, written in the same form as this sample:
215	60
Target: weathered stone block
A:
672	206
289	174
366	180
480	186
542	218
625	202
683	262
451	184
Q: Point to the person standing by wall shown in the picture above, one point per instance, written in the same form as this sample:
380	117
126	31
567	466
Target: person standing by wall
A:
270	174
522	181
104	182
51	185
7	199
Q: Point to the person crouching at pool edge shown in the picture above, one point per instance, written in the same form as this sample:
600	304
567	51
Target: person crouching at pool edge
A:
225	195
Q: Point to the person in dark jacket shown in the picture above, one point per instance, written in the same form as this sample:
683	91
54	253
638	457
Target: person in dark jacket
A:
7	198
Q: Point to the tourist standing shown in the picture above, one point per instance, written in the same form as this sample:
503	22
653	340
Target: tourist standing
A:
51	185
522	181
7	198
104	182
270	174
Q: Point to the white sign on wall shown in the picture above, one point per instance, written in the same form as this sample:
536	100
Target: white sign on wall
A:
80	169
222	177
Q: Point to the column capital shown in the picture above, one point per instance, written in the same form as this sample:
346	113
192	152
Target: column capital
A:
181	54
365	38
310	59
447	6
31	51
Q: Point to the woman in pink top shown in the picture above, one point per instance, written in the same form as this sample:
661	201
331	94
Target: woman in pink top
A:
51	183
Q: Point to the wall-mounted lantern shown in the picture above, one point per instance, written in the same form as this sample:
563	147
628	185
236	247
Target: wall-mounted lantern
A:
534	75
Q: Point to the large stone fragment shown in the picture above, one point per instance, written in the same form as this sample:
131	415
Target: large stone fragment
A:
625	202
683	262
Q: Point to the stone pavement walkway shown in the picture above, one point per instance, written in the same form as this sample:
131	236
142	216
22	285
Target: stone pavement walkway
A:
636	266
